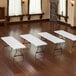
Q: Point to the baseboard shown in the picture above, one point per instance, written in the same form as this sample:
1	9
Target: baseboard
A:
29	21
69	25
64	23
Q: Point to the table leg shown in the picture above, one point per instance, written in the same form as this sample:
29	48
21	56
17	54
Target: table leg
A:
56	49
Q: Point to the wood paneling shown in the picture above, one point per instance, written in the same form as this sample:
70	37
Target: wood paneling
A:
2	12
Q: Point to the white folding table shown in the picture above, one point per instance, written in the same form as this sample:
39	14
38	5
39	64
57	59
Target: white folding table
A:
34	40
14	44
68	35
52	38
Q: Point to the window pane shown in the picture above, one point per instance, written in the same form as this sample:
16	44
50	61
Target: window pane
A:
34	6
62	7
15	7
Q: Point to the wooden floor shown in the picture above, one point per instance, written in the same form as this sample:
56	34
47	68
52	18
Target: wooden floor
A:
46	63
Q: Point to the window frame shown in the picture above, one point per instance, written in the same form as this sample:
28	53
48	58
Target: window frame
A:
66	11
13	15
29	8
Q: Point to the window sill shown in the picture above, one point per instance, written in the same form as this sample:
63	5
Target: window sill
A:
34	14
65	17
29	15
20	16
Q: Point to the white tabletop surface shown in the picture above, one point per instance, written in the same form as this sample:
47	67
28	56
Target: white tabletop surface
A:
12	42
51	37
66	34
33	40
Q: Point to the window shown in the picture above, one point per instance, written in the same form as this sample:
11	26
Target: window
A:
35	6
14	7
62	7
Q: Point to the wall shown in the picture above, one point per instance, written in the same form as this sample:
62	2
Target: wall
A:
45	8
3	3
75	14
71	14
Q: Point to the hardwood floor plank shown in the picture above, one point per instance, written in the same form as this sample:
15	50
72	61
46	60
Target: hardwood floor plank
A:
46	64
